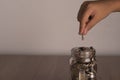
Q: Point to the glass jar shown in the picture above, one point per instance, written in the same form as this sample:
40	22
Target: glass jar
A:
83	63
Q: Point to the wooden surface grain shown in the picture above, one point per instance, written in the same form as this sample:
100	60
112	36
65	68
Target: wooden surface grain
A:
52	67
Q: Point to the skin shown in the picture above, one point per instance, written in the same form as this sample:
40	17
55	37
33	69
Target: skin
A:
92	12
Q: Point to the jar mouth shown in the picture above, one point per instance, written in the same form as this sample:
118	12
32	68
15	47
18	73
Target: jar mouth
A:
83	52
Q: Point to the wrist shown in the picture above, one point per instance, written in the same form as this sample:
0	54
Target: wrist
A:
115	6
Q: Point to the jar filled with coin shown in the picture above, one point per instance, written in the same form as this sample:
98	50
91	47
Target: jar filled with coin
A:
83	63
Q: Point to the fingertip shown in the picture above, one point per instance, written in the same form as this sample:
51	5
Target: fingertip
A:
85	31
79	33
82	29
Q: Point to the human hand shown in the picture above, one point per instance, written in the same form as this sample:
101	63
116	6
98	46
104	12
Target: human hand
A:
91	12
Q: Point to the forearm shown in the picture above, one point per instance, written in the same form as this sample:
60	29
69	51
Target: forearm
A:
115	5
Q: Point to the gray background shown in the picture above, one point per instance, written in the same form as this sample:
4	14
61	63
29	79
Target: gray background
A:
50	27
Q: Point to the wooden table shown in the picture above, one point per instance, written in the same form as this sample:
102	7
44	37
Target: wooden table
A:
52	67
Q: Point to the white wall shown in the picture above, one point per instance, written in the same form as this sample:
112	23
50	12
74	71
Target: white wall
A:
50	27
